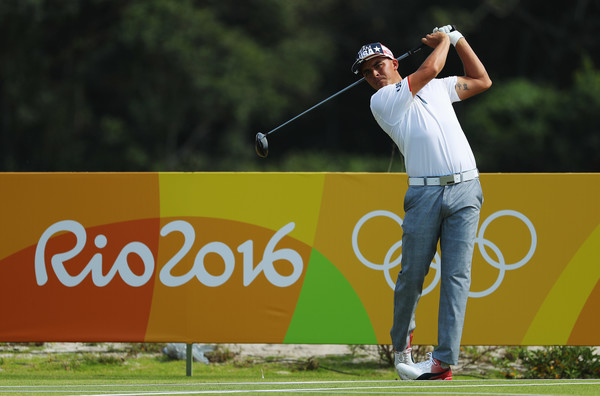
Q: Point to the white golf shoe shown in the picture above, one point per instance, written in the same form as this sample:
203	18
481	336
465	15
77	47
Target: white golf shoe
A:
431	369
405	358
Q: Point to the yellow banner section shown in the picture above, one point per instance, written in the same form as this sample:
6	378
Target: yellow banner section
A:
537	258
283	258
229	219
577	281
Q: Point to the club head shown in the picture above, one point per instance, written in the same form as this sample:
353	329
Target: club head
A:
261	145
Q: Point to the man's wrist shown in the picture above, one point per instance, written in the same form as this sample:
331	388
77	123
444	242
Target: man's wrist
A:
454	37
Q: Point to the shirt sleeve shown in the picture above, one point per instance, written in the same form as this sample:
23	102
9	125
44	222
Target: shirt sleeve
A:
450	84
390	103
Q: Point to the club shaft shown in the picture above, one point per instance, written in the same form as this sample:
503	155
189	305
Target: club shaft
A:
318	104
412	51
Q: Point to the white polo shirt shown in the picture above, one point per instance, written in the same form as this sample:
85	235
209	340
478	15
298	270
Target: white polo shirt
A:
425	127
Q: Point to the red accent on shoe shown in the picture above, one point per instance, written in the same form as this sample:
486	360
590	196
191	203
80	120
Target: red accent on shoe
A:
445	375
437	372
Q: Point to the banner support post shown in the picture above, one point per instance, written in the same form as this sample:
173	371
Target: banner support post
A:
188	359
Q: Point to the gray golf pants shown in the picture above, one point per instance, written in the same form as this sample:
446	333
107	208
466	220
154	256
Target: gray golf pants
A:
449	214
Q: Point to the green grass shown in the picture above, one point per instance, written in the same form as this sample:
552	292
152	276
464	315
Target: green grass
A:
142	373
74	365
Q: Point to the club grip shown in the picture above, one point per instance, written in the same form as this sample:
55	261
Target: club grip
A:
421	46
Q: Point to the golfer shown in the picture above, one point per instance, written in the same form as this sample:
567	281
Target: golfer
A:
444	196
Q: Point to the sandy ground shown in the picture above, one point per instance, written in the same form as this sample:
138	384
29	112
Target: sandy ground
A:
243	350
288	350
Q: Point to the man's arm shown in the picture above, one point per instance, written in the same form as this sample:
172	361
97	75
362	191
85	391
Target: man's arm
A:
434	63
476	79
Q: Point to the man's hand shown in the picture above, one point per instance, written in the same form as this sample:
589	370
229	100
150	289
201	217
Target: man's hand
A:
434	63
453	35
434	39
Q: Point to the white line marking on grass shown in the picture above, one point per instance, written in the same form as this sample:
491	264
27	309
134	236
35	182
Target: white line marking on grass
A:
445	392
199	384
434	388
428	389
436	393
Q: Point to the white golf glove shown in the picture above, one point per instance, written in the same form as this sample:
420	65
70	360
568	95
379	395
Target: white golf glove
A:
454	36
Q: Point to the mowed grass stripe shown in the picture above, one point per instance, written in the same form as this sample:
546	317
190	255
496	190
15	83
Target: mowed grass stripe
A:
523	387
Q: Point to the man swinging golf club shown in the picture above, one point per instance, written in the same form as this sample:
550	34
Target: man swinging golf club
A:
444	195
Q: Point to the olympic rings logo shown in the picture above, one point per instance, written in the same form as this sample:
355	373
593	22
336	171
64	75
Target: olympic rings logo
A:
481	242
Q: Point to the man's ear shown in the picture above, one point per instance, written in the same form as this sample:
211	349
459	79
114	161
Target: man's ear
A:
395	62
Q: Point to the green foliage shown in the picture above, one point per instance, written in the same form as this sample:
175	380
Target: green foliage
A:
161	85
135	348
549	362
386	354
511	126
560	362
578	141
357	350
82	362
523	125
309	364
220	354
145	85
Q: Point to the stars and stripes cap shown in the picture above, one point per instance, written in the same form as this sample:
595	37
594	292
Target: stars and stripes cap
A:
370	51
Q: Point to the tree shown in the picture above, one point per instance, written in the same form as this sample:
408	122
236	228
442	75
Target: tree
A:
142	85
185	85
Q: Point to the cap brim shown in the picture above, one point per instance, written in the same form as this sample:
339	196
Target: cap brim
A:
356	66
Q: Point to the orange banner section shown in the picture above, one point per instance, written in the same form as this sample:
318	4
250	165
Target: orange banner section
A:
283	258
61	234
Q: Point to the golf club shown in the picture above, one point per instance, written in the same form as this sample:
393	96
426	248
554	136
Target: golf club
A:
261	143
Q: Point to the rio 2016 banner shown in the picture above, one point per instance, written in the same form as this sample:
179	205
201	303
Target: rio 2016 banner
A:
283	258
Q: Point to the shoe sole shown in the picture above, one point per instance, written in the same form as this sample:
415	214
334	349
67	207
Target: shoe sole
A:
444	375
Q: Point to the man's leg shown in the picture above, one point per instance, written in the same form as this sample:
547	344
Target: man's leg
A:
421	227
459	229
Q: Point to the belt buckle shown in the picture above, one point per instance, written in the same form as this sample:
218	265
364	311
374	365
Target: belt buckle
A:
449	179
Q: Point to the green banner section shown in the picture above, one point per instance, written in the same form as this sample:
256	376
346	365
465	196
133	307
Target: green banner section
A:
328	309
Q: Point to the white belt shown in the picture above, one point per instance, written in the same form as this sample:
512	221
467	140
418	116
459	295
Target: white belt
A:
443	180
